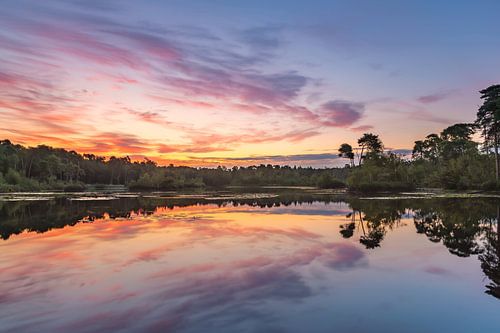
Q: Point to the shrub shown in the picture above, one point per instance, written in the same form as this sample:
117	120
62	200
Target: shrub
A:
381	186
327	181
13	177
490	186
74	188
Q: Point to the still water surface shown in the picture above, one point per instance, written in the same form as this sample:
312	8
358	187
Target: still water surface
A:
282	264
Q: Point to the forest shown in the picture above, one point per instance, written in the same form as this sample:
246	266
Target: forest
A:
46	168
450	159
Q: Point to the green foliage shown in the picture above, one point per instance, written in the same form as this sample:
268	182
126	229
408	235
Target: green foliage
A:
488	115
488	121
387	172
449	160
45	167
167	179
13	177
379	171
452	160
74	188
328	181
428	149
370	145
346	151
468	171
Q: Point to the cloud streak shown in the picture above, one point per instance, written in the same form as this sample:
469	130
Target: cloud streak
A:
170	67
435	97
80	69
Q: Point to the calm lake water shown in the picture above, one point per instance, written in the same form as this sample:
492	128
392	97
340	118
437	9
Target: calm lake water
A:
292	263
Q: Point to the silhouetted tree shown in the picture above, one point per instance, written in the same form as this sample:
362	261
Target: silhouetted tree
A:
371	144
490	258
488	120
346	151
418	149
457	140
432	147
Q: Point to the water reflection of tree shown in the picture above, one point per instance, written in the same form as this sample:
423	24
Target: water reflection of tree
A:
458	224
373	220
465	226
490	258
42	216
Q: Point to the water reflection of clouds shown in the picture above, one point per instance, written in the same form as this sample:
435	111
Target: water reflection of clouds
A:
153	280
436	270
212	296
315	208
299	211
247	268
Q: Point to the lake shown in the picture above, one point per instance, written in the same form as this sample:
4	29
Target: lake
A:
296	261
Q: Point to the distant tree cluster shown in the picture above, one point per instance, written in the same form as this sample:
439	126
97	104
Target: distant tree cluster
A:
450	159
376	170
43	167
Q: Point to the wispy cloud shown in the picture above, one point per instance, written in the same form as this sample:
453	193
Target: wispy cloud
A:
316	160
423	115
436	97
284	158
362	128
79	69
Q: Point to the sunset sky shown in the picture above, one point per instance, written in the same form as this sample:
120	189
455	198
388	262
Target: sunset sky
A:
232	82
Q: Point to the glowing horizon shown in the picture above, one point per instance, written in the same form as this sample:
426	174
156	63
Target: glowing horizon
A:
225	83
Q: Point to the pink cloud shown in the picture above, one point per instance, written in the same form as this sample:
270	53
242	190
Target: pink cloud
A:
342	113
162	68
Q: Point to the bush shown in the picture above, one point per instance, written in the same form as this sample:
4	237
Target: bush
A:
381	186
327	181
13	177
382	173
9	188
490	186
74	188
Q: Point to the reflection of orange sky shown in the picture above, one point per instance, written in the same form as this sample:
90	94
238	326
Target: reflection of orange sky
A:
170	231
197	232
167	267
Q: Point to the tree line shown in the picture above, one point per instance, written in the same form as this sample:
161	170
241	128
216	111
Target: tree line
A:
450	159
44	167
